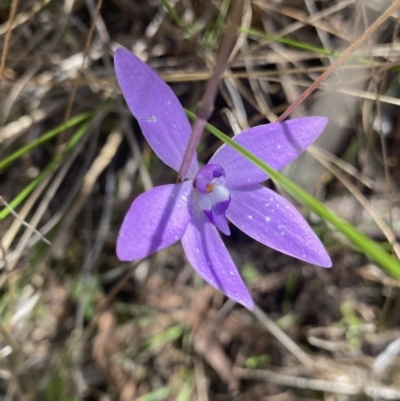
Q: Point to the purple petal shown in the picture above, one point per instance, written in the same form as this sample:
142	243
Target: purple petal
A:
219	221
270	219
277	144
208	256
155	220
157	109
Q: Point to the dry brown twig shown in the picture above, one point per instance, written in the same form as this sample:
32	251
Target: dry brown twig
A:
206	105
368	32
23	16
100	163
23	222
387	231
85	55
338	386
281	336
13	12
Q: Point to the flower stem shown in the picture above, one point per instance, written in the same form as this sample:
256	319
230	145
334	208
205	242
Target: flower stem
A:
206	106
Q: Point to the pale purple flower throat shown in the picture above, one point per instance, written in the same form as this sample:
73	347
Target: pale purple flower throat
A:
213	197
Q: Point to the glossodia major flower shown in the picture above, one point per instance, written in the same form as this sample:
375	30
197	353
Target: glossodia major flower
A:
227	188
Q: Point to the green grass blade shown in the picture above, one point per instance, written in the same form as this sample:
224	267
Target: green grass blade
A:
52	165
300	45
185	393
369	247
167	336
45	137
52	133
290	42
173	14
158	394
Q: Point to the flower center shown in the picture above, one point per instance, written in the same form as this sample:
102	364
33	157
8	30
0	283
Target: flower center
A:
213	196
210	187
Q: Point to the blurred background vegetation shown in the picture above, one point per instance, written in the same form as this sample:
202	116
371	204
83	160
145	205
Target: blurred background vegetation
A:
77	324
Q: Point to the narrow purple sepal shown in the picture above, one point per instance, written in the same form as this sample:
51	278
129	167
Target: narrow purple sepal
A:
157	109
277	144
208	255
270	219
155	220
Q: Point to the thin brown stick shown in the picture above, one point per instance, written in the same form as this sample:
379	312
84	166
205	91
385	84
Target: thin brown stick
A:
23	222
206	106
388	186
379	21
24	16
85	53
13	12
387	231
336	385
280	335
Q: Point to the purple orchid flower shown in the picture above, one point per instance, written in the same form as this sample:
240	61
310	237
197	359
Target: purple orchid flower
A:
228	187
